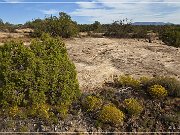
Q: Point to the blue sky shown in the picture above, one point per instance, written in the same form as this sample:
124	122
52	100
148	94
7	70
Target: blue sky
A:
105	11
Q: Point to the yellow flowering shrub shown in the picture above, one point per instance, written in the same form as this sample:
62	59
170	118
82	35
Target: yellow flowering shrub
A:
40	110
63	110
111	114
92	103
133	106
157	91
127	80
14	111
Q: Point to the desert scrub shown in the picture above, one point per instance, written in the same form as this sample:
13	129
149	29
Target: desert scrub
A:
133	106
111	114
92	103
171	36
144	80
14	111
62	110
23	128
119	29
170	84
157	91
128	81
62	26
39	74
39	110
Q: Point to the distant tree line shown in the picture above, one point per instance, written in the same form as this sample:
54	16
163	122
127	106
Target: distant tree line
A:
7	27
169	34
65	27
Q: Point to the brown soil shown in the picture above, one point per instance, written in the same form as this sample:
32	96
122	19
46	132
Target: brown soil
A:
98	59
10	35
5	36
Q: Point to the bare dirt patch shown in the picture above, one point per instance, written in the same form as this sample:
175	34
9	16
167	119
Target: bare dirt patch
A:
98	59
6	36
10	35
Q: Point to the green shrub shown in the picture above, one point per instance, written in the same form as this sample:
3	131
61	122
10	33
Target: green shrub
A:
139	32
171	36
39	110
39	74
171	84
92	103
128	81
133	106
157	91
110	114
96	26
144	80
7	27
120	29
23	128
62	110
14	111
62	26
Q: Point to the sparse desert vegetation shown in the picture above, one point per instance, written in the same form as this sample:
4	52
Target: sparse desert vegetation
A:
113	78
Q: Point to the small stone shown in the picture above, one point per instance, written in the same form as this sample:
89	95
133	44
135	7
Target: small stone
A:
71	123
66	128
55	128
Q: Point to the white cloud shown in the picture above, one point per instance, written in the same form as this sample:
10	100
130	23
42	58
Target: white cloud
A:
87	5
174	17
106	11
50	11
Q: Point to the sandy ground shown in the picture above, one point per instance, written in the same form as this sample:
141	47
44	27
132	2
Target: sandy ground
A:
5	36
98	59
10	35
